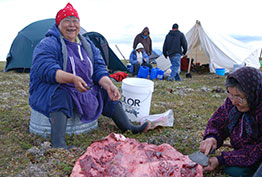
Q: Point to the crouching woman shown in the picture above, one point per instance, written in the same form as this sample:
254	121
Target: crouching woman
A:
240	119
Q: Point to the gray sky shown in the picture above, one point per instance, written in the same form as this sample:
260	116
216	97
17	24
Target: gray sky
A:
119	21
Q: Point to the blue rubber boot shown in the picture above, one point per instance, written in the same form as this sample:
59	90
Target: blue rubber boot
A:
58	130
122	122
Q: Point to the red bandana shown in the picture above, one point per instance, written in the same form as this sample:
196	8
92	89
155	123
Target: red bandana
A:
66	12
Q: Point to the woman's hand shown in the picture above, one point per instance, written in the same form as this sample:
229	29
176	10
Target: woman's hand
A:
207	145
113	93
80	84
63	77
111	89
212	164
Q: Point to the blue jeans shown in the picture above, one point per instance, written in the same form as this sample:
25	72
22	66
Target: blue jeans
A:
175	61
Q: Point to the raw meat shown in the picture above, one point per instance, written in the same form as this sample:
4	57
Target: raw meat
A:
117	156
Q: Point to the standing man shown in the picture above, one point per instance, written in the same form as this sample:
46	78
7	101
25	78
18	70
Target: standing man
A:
175	41
144	39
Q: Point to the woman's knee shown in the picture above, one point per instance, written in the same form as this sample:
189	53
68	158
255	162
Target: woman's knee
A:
61	101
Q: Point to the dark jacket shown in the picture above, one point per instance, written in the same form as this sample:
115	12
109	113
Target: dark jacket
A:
244	129
174	42
49	56
247	152
147	42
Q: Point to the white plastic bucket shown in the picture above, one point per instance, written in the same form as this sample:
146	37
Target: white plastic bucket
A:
136	97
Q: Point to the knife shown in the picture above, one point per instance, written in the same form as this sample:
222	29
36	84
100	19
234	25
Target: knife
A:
200	158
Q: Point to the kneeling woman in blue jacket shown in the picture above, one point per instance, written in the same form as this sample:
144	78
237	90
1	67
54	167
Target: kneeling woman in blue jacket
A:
139	57
68	73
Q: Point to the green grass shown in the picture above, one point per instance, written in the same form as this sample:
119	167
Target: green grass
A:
193	101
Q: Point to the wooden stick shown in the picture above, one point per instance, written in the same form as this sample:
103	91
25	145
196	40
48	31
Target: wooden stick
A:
120	52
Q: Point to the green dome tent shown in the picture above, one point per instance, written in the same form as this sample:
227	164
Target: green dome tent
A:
112	61
19	57
20	54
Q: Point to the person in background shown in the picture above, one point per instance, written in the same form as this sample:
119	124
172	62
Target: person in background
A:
68	74
139	57
175	45
144	39
240	119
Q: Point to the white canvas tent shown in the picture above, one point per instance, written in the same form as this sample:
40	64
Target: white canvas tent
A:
219	51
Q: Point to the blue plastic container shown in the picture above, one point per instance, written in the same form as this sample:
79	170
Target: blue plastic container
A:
143	72
160	74
128	66
153	74
220	71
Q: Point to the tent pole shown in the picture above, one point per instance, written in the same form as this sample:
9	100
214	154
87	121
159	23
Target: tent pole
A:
189	75
120	53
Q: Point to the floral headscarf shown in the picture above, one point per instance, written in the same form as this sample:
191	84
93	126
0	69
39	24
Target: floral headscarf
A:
250	80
